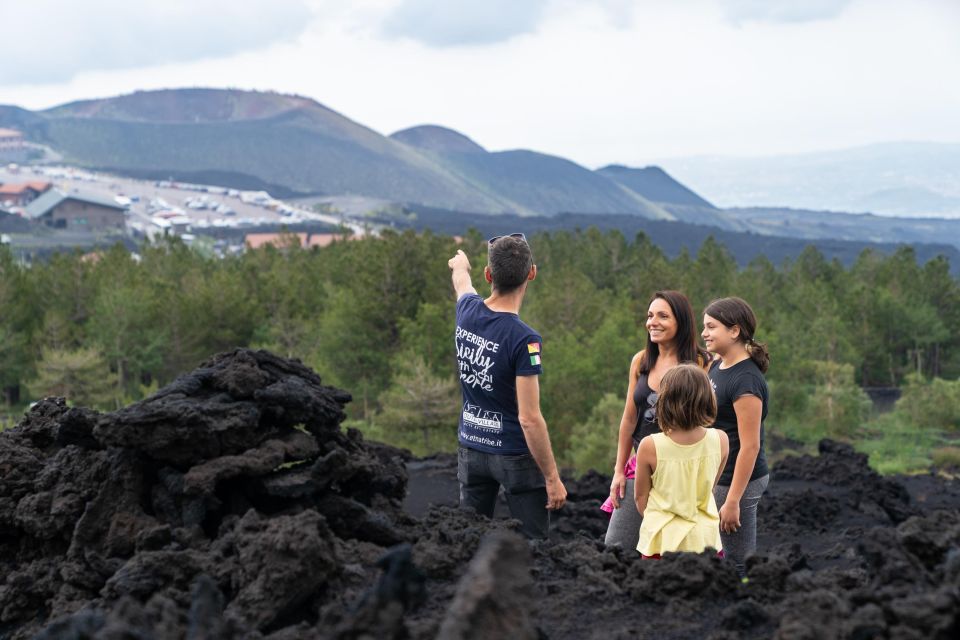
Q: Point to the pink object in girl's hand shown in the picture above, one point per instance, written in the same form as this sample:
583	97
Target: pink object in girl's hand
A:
630	470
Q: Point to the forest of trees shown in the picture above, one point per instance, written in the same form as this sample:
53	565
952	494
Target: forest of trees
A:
375	316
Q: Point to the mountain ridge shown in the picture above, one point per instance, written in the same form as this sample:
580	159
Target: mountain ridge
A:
304	147
433	137
654	180
295	146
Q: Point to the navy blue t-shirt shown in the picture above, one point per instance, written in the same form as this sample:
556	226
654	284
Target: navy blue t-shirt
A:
493	348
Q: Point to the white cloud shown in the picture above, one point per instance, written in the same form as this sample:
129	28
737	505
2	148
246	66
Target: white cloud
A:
50	41
782	10
603	82
457	23
447	23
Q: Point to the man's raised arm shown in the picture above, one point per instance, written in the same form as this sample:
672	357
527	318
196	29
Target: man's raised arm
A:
460	268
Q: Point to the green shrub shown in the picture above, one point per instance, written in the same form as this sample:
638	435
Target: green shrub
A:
82	376
897	447
946	457
829	404
930	404
838	405
420	409
593	443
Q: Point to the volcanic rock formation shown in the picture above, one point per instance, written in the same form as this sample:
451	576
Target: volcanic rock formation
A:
231	504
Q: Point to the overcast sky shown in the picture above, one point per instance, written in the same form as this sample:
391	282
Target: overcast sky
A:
598	81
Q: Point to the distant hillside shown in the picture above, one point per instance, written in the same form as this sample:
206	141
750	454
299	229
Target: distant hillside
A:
288	141
654	184
21	119
293	146
822	225
296	146
430	137
526	181
187	106
671	236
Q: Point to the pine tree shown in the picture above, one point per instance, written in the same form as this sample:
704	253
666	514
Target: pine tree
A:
420	404
82	376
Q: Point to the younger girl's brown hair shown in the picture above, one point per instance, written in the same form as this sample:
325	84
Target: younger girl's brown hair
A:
686	400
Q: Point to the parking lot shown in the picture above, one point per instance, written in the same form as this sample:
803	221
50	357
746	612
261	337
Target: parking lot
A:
158	207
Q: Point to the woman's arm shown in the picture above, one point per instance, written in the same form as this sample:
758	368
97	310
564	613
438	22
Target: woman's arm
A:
628	423
646	465
749	409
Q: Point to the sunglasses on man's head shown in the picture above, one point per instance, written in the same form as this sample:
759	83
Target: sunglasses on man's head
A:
512	235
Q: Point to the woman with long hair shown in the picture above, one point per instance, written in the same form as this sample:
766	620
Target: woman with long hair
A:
737	376
671	340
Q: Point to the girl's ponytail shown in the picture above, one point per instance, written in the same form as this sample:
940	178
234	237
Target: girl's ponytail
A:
759	354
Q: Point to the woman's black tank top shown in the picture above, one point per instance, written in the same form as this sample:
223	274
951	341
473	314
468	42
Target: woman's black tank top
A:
645	399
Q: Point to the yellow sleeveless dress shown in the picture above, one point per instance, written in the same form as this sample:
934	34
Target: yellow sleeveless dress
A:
681	513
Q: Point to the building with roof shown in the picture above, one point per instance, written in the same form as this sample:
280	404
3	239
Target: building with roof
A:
20	194
289	239
326	239
171	222
279	240
11	140
77	211
10	222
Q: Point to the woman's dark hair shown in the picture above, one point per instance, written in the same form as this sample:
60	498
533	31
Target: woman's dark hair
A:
688	349
735	312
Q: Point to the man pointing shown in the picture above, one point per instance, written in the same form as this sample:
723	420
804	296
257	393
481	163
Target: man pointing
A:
503	436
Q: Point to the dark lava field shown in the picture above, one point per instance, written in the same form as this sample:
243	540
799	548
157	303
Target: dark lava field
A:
231	504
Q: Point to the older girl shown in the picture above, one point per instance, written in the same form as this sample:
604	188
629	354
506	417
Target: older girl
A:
729	327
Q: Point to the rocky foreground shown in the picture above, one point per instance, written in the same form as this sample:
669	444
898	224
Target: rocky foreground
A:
231	505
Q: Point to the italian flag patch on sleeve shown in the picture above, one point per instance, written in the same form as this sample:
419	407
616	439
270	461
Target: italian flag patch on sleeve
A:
535	359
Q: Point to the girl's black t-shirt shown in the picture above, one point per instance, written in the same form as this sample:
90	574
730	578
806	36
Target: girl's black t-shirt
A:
743	378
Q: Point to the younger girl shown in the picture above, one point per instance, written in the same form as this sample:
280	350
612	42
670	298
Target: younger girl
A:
678	468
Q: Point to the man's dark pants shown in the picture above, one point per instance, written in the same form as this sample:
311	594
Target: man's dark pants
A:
481	475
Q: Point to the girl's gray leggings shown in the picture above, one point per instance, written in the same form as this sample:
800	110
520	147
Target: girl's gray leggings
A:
624	527
743	542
